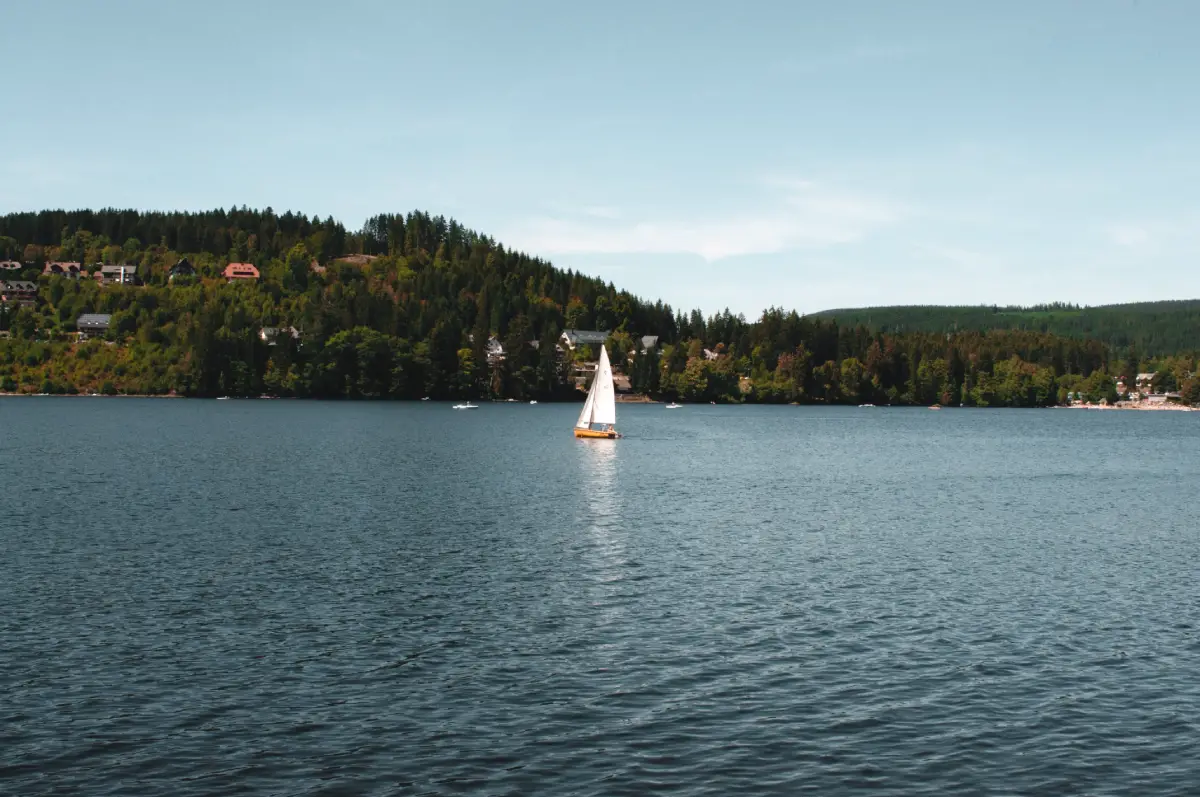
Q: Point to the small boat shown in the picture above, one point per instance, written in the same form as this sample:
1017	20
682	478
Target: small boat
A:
425	398
467	406
866	405
674	406
599	416
222	398
935	407
533	402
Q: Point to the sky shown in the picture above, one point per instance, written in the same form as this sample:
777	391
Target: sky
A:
713	155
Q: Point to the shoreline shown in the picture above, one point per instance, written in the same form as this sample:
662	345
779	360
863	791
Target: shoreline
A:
93	395
1136	407
635	398
621	399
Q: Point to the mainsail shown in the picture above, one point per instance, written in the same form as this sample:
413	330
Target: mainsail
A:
601	404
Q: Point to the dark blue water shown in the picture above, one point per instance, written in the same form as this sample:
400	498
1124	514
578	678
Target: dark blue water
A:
287	598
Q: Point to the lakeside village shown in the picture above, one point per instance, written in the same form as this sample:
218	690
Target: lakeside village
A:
576	348
1144	393
572	344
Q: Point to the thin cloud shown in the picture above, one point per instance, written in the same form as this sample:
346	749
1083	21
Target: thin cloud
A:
967	259
601	212
1129	235
1166	234
805	216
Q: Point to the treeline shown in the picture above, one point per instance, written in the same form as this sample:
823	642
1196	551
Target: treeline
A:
416	305
111	235
784	357
1143	328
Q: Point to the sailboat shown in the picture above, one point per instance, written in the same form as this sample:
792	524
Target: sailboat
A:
599	416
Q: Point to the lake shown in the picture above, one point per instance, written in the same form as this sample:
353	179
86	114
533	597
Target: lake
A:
275	597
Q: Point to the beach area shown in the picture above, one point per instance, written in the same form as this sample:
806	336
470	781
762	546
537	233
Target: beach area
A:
1134	405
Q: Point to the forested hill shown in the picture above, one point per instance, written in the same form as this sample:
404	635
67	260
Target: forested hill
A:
252	302
1147	328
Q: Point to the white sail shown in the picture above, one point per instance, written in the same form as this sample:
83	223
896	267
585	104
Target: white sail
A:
585	417
601	404
605	409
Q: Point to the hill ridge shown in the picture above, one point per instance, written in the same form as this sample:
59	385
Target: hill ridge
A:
1159	327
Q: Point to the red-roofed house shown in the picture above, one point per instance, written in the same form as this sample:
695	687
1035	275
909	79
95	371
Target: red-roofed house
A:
240	271
61	269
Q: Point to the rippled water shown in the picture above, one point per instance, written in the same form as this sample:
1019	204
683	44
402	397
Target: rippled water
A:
336	598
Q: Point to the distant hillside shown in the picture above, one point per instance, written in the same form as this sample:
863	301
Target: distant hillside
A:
1150	328
245	302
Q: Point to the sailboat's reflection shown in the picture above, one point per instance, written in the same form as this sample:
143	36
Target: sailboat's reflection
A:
604	518
607	574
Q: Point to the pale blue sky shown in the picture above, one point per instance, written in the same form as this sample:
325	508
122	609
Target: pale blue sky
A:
807	155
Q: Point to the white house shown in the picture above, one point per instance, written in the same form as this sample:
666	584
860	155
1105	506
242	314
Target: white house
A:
117	275
269	335
494	351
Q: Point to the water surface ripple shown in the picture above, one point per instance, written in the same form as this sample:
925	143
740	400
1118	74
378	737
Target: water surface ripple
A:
204	598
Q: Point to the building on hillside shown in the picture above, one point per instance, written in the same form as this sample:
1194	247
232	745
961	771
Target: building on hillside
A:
235	272
117	275
583	372
71	270
583	337
19	292
183	268
536	345
494	351
1145	381
90	324
11	265
649	342
270	335
356	260
709	354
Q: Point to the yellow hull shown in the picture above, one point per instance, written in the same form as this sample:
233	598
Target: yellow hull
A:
593	433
